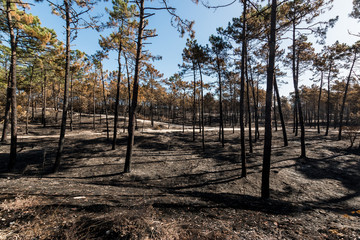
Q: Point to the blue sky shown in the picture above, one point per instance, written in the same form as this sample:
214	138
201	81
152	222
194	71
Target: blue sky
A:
169	45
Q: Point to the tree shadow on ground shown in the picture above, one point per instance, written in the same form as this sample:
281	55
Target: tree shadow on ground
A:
343	166
229	200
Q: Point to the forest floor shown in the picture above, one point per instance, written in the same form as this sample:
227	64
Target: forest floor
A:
175	190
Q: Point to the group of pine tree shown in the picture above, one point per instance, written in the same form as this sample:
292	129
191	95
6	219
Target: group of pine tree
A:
38	71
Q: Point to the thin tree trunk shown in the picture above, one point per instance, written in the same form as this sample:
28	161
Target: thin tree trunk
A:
105	106
116	110
345	94
94	103
319	102
249	110
255	108
275	119
66	89
202	109
328	103
71	103
280	112
184	113
7	110
194	103
127	167
13	115
44	100
221	126
242	91
29	100
297	96
265	184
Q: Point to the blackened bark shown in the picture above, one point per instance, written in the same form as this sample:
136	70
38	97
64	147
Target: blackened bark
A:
202	110
13	105
345	94
116	110
71	103
7	109
105	105
242	91
319	101
328	101
131	129
280	113
66	89
221	126
43	113
194	102
249	110
265	184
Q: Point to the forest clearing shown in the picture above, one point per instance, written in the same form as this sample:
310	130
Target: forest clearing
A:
177	191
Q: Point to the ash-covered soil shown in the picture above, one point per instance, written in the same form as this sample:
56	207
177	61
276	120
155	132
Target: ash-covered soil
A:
175	190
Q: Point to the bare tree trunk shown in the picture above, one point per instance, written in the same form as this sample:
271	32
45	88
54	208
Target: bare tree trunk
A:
71	103
296	62
13	115
275	120
43	118
66	89
202	109
7	109
116	112
94	103
194	103
249	110
255	108
221	126
280	112
345	94
242	91
184	113
105	106
328	103
265	184
319	102
131	131
29	100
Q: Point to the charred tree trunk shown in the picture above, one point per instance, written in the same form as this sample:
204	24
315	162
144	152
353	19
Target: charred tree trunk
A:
221	126
275	119
255	108
194	102
13	105
29	101
280	112
116	110
265	182
328	102
105	106
296	63
249	110
202	110
71	103
345	94
319	102
66	89
7	110
94	103
43	112
131	129
242	91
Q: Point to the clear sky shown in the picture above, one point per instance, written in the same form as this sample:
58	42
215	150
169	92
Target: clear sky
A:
169	45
